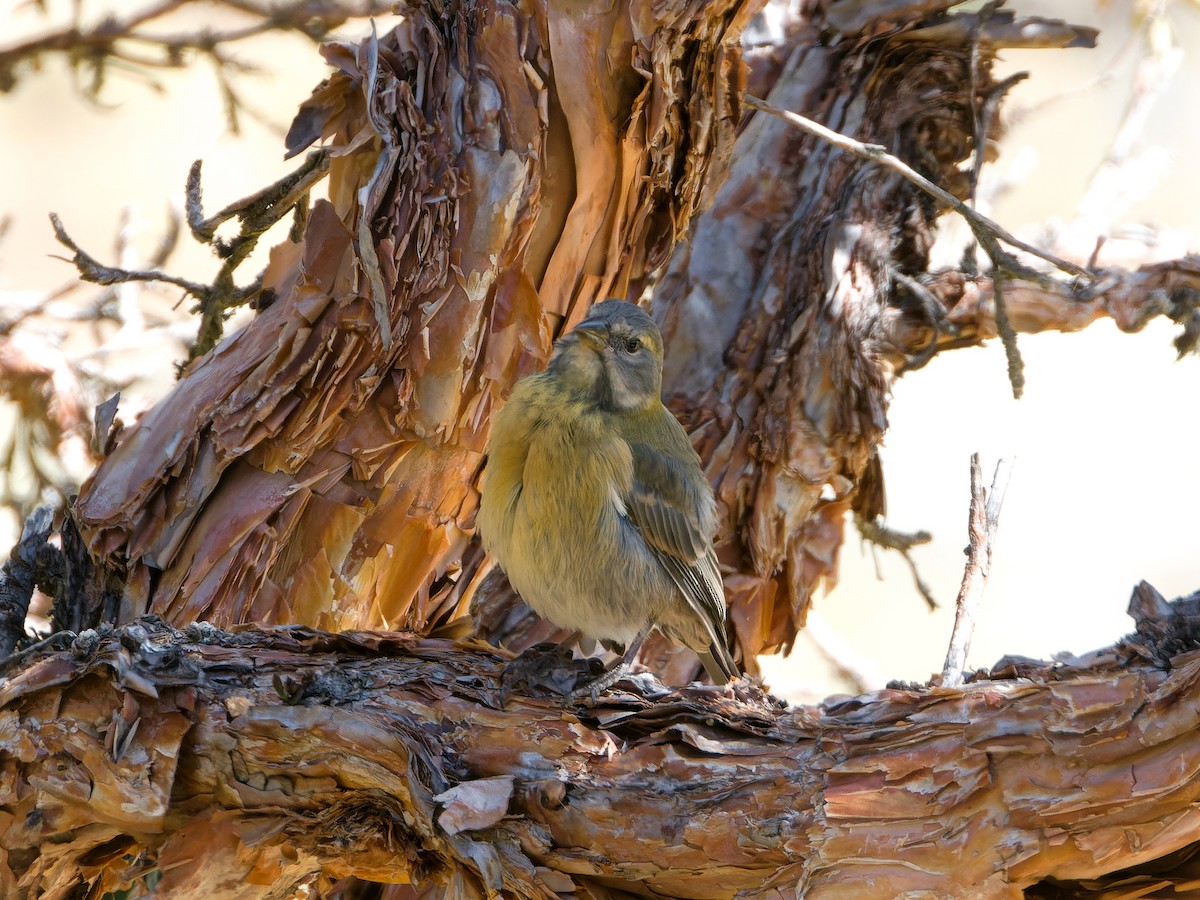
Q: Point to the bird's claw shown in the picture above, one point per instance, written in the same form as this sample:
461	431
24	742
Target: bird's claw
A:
592	690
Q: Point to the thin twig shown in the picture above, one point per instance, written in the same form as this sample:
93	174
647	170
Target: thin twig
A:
987	231
901	542
850	664
981	531
93	271
55	638
111	40
933	312
255	214
261	206
1008	336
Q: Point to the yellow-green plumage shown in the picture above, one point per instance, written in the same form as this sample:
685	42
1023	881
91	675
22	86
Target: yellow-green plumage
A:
594	502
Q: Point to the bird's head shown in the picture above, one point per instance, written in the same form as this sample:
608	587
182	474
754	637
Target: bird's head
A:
613	357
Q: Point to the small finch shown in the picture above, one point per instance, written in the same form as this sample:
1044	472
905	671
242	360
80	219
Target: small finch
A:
594	502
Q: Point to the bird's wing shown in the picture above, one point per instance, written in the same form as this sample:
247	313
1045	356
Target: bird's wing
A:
664	508
670	517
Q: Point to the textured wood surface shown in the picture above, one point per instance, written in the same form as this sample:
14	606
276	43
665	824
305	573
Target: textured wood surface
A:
496	169
229	762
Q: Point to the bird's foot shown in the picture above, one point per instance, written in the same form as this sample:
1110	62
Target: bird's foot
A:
591	690
643	684
543	668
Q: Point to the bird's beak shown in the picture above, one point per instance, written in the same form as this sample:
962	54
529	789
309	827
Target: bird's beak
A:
593	333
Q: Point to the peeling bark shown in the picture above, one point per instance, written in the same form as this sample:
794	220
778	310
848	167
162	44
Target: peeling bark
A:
496	168
298	757
781	312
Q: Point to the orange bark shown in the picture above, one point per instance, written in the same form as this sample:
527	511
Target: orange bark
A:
239	764
497	168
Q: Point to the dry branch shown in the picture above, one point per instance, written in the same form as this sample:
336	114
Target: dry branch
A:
140	41
1131	299
255	214
989	233
220	760
791	308
983	522
901	542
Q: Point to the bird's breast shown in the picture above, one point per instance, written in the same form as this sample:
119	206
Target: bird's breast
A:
554	516
576	472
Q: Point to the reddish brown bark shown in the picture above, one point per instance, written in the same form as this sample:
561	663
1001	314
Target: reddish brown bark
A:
498	167
508	165
304	473
240	764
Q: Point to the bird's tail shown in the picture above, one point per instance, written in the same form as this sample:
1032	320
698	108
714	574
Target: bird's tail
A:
719	664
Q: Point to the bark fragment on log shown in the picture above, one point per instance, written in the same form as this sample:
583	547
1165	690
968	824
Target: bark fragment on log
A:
229	762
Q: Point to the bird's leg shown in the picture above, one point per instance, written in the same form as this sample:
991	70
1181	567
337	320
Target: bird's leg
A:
597	686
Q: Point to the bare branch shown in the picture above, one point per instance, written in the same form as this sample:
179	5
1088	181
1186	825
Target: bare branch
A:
981	531
989	233
958	310
92	270
255	213
126	42
18	577
901	542
393	757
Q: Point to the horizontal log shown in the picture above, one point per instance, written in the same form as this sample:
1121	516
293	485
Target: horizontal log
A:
219	762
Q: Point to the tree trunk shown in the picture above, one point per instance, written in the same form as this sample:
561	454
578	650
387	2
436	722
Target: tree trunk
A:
320	466
497	168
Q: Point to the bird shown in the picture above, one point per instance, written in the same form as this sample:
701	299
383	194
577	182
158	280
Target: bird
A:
594	502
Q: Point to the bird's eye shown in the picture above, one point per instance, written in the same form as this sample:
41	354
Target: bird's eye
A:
631	345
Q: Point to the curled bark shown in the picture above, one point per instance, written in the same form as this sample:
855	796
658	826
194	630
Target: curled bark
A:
779	313
297	757
319	466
